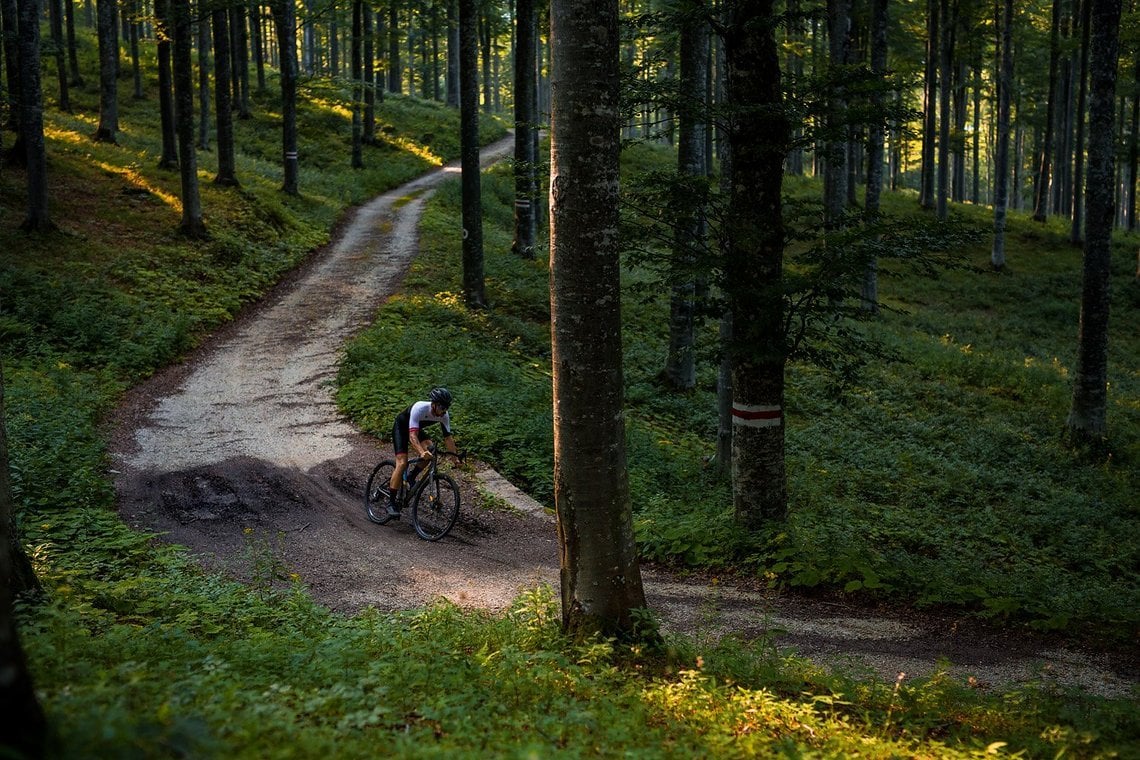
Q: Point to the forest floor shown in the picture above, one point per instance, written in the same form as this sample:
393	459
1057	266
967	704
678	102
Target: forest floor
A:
239	454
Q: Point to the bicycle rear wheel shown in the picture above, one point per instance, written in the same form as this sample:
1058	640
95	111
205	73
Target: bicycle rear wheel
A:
376	492
436	507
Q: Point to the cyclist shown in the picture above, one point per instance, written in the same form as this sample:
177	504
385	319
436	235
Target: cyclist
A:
408	430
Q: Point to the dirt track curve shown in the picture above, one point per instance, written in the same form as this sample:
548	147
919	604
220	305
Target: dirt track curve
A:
242	444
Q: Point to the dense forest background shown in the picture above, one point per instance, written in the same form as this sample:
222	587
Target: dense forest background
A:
166	163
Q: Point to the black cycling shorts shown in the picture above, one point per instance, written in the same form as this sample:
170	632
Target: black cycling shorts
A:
400	436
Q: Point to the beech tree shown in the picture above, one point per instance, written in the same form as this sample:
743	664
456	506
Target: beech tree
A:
525	118
32	118
164	31
1004	25
1087	423
601	580
473	286
192	223
223	98
108	32
284	18
757	134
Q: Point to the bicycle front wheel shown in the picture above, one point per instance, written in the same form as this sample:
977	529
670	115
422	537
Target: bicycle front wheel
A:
436	507
376	492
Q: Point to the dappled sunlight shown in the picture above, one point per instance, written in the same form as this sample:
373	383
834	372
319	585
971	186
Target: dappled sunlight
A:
132	176
56	134
420	151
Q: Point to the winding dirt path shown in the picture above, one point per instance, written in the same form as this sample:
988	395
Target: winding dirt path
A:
239	454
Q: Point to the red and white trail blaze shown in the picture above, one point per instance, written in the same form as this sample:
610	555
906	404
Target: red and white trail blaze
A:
751	415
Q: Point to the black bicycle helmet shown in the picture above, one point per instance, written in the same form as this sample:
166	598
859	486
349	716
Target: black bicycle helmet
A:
441	396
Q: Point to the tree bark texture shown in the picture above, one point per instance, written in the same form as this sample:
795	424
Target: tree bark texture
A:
945	57
1041	190
754	253
108	31
1004	23
395	82
205	66
929	106
192	222
55	13
525	188
1087	422
689	213
9	15
836	169
601	579
875	131
452	53
72	48
1075	231
32	118
473	286
223	95
284	17
164	31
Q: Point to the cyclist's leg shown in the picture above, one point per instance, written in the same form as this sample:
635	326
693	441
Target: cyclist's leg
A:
400	446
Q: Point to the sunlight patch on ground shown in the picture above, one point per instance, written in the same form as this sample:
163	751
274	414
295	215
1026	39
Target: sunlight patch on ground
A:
138	180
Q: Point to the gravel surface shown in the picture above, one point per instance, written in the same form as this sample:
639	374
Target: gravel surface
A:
239	454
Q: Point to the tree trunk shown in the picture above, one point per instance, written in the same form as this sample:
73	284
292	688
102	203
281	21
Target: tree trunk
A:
1075	231
284	17
689	213
1087	424
55	12
108	72
357	54
1004	23
239	56
72	49
32	118
9	14
24	726
136	63
601	580
945	58
223	94
256	35
875	145
164	30
395	82
452	53
205	42
1133	149
754	252
1041	189
192	224
835	176
525	190
369	127
473	287
929	105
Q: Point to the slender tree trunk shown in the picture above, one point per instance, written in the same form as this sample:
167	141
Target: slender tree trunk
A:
601	579
24	729
357	82
930	98
875	145
72	48
256	40
164	30
1087	423
1004	24
525	190
108	72
205	42
976	190
239	57
1041	190
1133	149
284	17
1075	232
835	178
192	224
689	213
55	12
395	81
754	252
473	286
945	57
32	119
452	53
369	136
223	98
9	19
136	64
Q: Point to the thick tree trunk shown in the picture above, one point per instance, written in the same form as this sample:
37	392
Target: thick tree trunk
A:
754	254
601	580
32	118
24	727
284	17
192	223
473	287
108	72
1087	423
1004	24
223	94
525	190
689	213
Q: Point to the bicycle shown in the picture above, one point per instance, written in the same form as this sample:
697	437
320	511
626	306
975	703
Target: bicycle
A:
433	495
